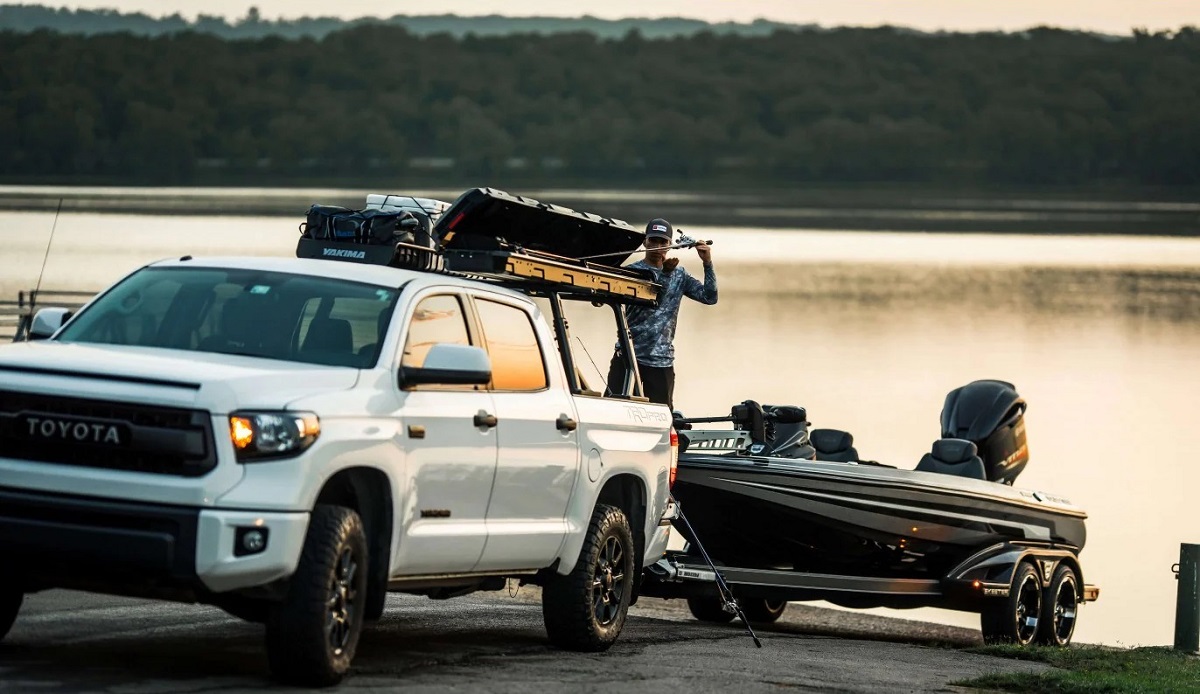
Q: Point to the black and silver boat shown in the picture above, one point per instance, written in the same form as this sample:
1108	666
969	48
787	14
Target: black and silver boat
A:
797	514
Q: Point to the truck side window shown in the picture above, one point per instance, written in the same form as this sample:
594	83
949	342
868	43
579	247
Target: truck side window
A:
517	362
436	320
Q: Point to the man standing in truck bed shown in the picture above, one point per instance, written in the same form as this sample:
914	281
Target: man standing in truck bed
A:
653	328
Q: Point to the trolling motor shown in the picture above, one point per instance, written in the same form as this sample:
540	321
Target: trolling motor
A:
775	430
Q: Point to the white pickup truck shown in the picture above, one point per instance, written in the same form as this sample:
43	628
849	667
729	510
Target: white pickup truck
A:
290	439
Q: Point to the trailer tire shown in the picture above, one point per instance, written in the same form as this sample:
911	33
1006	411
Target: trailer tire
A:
1060	606
313	633
11	598
709	609
586	609
1014	619
764	611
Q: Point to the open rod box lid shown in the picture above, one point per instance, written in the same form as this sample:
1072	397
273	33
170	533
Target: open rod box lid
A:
482	216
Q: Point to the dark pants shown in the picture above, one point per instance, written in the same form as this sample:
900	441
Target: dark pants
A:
658	382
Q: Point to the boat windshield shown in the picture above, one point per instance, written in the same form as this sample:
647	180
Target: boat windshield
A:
273	315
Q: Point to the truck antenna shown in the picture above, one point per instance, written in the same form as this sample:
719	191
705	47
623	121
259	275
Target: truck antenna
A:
36	289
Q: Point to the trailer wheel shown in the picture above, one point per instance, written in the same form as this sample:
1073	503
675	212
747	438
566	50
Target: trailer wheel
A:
1060	604
709	609
11	598
585	610
1014	619
764	611
313	633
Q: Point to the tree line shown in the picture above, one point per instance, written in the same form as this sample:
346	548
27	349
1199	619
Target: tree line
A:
25	18
378	102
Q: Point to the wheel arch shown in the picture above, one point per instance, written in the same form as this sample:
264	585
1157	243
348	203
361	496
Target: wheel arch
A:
368	492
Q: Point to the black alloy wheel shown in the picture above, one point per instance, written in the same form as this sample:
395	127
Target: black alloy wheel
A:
313	633
586	609
344	603
608	581
1060	605
1015	619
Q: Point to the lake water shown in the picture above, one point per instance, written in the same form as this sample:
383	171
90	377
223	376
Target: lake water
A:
869	331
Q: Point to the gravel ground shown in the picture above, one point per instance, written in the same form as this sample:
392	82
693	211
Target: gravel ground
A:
487	642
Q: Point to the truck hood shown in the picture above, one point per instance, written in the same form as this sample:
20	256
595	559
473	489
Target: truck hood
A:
219	383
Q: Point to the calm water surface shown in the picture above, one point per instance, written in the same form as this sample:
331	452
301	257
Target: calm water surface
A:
869	331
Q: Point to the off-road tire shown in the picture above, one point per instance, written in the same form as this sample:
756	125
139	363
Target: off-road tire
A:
586	609
709	609
762	611
1007	620
1060	608
313	633
10	604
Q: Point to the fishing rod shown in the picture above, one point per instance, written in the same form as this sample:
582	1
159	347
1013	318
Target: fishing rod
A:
684	242
725	593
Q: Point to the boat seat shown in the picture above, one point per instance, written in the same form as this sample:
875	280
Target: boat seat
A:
954	457
833	445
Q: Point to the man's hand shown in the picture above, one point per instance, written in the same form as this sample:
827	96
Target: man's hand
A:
705	252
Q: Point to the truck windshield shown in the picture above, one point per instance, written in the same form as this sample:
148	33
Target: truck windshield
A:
273	315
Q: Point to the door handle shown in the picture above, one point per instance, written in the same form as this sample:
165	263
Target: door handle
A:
483	419
565	423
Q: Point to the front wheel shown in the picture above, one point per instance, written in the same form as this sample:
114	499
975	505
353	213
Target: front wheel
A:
1060	604
585	610
11	598
1014	619
313	633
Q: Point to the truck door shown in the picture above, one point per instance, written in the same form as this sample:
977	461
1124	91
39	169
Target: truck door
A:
538	446
450	444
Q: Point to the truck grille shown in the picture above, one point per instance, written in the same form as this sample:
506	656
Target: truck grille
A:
99	434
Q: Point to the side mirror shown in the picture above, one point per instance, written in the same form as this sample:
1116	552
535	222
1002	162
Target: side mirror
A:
450	365
47	321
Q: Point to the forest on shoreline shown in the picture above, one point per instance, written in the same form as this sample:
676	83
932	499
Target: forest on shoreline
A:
797	107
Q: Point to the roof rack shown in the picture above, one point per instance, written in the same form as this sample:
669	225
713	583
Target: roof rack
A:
513	267
476	241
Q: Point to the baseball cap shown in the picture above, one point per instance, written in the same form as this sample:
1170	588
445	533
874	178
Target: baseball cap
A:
659	228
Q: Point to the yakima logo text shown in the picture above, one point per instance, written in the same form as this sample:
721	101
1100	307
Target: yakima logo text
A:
338	253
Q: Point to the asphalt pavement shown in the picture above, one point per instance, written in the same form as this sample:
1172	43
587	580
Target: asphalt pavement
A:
486	642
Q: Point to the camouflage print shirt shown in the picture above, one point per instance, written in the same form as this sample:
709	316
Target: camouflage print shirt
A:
653	328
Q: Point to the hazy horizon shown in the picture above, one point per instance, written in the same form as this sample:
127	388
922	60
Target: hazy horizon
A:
1108	16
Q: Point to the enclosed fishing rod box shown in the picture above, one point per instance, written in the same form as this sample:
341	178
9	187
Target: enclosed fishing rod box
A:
487	234
486	219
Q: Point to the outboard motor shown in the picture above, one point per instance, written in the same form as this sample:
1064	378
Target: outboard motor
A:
990	414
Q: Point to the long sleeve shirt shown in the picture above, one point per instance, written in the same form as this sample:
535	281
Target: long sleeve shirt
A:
653	328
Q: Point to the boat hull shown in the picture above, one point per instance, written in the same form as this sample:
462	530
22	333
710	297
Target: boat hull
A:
816	515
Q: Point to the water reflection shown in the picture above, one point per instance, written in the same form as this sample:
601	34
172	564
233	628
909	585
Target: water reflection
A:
869	331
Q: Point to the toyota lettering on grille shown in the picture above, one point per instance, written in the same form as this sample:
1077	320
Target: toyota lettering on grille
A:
73	430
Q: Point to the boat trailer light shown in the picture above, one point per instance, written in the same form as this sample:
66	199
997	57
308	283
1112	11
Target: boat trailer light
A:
975	584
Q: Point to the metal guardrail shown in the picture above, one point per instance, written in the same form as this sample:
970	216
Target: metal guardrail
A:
17	316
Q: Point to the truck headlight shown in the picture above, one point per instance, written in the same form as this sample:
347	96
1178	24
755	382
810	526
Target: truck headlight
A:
267	435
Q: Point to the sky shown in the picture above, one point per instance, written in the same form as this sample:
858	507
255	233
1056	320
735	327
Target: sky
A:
1108	16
